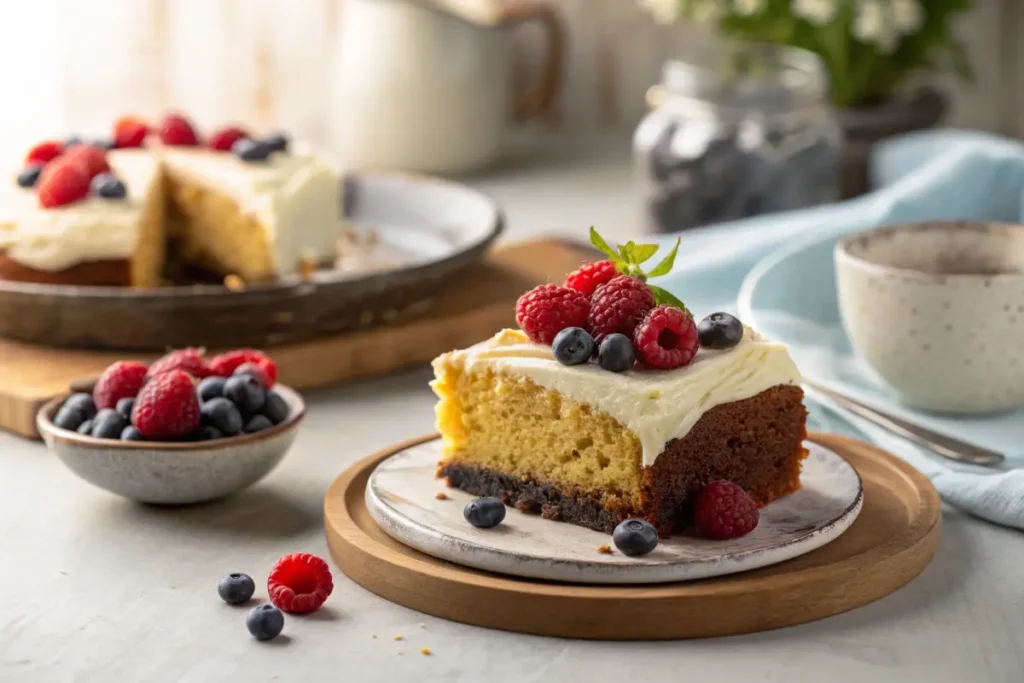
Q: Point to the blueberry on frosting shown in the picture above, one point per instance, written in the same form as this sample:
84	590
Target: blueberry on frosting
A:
247	149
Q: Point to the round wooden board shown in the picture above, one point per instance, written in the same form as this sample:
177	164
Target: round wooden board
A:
892	541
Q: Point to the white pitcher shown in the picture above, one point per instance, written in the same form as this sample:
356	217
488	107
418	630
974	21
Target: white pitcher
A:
421	86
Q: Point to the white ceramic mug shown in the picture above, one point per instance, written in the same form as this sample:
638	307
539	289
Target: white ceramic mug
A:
937	310
416	88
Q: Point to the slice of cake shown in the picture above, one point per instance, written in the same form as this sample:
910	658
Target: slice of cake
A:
666	408
257	209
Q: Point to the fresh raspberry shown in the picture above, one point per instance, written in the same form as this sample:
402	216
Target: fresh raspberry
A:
176	130
190	360
167	407
257	371
123	379
590	276
723	510
545	311
61	183
130	131
299	583
44	152
225	138
666	338
92	160
618	306
225	364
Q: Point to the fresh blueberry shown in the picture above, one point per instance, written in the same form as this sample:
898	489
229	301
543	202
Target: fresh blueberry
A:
257	424
720	331
130	433
251	150
278	142
125	405
208	433
82	402
69	418
210	388
265	622
29	175
222	415
276	408
573	346
85	428
235	589
72	141
484	513
108	186
246	393
635	537
108	424
616	353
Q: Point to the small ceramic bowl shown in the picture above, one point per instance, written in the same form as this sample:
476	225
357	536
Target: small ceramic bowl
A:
173	473
937	310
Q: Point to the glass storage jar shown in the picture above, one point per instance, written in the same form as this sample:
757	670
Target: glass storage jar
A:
747	130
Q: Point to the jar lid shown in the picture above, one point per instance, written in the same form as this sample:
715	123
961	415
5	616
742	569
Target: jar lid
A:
747	76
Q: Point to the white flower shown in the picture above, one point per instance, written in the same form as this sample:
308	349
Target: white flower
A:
664	11
872	24
747	8
817	12
908	16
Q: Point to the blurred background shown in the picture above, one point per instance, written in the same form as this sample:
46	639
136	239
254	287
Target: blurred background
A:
432	85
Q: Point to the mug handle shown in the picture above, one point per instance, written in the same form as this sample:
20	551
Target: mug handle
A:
539	98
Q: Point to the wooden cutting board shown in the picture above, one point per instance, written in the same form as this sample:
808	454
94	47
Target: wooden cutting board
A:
891	542
475	307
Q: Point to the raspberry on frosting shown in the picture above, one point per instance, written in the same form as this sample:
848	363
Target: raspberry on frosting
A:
666	338
618	306
590	276
546	310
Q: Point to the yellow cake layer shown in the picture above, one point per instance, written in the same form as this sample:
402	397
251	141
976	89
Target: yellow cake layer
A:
511	425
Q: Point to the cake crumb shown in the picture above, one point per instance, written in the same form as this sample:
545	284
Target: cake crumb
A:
441	495
604	549
425	651
397	637
373	635
422	625
234	283
399	652
306	268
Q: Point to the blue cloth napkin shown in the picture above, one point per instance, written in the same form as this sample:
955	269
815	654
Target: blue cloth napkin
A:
942	174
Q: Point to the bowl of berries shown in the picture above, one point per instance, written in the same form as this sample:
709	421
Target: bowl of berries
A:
184	429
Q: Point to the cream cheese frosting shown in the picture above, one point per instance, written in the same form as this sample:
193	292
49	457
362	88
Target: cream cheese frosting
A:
295	196
656	405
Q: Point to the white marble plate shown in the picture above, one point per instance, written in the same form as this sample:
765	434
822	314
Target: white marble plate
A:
401	494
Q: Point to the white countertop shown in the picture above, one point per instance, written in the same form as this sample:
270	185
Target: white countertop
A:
94	588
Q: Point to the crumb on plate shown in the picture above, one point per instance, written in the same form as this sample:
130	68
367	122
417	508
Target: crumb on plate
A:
441	495
604	549
425	651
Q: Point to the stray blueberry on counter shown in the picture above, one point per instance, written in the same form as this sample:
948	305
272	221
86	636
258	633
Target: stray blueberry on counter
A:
69	417
276	408
85	428
222	415
265	622
258	424
246	393
635	537
29	175
125	405
616	353
278	142
108	186
251	150
211	388
108	424
235	589
484	513
573	346
720	331
130	433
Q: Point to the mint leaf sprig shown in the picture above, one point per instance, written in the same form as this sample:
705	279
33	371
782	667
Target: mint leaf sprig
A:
628	259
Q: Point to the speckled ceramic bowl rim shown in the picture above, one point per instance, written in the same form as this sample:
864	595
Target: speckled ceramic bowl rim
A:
842	250
44	421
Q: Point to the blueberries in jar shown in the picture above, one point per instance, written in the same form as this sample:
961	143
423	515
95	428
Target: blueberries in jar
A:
69	418
276	408
221	414
108	424
124	406
246	393
211	388
257	424
83	402
130	433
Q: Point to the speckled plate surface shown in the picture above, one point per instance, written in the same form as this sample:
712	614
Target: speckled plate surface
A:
400	495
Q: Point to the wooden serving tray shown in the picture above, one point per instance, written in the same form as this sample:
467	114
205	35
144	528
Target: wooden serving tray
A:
476	306
892	541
